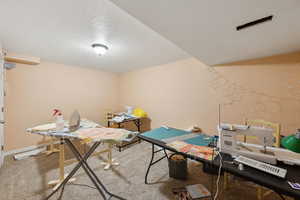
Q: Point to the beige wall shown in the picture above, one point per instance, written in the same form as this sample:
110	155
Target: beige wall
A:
33	91
188	92
178	94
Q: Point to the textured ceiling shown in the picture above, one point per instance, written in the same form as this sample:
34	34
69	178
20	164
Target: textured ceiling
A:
63	30
154	32
206	29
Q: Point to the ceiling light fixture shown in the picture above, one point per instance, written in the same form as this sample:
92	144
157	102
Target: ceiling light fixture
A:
100	49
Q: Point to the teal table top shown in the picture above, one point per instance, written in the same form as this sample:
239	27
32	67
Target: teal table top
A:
172	134
163	133
200	140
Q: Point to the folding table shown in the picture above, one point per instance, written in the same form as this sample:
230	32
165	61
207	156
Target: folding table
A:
159	136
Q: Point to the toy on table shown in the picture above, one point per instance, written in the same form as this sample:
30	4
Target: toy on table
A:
59	119
138	112
292	142
295	186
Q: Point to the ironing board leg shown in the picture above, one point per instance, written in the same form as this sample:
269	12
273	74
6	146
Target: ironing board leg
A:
51	148
110	161
152	163
72	173
62	175
94	178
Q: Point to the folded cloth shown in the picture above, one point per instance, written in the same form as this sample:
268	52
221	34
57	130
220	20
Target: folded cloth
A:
118	119
121	117
104	134
50	127
85	123
131	136
43	128
88	130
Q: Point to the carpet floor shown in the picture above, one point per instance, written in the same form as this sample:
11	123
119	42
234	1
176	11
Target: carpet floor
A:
27	179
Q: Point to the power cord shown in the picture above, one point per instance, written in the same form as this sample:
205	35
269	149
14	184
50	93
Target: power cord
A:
219	175
280	196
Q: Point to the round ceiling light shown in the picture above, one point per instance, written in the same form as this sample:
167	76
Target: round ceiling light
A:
100	49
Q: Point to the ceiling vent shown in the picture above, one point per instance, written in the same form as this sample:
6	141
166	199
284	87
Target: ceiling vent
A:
255	22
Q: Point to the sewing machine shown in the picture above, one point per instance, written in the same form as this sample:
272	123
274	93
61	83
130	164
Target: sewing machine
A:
263	151
228	142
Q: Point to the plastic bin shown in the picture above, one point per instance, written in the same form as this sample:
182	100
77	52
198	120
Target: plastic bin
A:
177	166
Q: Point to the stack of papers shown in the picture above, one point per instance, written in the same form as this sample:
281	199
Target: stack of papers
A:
197	191
122	117
195	150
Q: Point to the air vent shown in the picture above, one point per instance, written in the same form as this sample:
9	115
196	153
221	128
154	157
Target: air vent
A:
253	23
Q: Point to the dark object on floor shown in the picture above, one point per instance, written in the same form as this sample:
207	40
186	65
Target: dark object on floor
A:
210	169
181	194
198	191
177	167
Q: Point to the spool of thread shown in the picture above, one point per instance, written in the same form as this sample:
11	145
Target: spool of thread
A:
241	167
166	127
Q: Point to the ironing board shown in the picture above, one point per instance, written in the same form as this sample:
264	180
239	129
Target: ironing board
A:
46	130
66	137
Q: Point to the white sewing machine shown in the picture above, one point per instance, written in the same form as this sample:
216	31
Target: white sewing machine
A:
263	151
228	142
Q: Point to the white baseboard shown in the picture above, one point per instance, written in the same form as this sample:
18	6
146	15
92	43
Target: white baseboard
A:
25	149
21	156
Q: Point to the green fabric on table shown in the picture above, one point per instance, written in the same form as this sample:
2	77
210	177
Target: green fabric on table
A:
163	133
200	140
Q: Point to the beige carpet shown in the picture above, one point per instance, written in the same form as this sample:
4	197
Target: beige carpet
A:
27	179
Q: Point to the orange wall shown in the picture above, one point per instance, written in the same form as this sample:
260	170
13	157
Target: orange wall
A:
188	92
178	94
33	91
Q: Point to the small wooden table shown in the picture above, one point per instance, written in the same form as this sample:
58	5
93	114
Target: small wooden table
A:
135	120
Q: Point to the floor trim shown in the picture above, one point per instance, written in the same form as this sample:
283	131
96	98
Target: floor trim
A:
25	149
